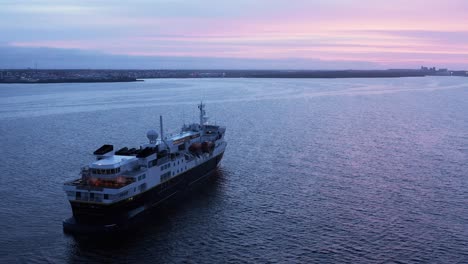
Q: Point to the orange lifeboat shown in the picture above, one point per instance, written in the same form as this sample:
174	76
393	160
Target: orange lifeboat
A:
195	147
207	146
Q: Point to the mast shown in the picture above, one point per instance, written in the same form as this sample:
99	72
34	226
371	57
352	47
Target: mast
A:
161	126
203	117
162	131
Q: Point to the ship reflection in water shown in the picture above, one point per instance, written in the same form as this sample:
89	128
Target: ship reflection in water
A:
316	171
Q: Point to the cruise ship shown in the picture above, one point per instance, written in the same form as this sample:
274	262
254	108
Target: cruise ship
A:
122	184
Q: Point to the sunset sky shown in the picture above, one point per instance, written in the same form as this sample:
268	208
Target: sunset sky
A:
234	34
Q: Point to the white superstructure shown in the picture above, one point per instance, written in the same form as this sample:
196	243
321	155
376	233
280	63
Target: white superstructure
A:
125	174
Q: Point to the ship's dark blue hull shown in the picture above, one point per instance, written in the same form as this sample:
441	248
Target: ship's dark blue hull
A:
94	218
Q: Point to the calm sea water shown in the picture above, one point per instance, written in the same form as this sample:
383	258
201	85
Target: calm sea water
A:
316	171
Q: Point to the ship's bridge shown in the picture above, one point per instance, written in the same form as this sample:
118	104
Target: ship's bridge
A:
111	165
184	136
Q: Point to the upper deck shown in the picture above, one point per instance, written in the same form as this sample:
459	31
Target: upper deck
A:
112	162
115	171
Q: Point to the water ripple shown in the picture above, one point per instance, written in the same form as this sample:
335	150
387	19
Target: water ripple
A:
316	171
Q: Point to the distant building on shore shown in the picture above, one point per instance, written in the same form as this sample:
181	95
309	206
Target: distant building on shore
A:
459	73
427	69
434	72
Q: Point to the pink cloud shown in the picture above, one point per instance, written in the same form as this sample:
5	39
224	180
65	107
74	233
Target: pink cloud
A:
377	31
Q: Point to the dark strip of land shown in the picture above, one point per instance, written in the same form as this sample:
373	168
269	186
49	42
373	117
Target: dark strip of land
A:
79	76
335	74
84	80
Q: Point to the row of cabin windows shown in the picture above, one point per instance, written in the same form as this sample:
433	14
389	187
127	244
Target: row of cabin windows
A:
105	171
141	177
91	195
165	176
165	166
181	170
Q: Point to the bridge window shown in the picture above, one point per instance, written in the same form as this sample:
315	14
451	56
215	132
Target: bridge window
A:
105	171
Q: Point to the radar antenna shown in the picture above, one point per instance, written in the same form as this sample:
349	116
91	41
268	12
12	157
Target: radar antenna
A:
152	136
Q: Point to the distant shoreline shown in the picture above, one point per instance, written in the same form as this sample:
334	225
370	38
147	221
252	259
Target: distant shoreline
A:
66	81
30	76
